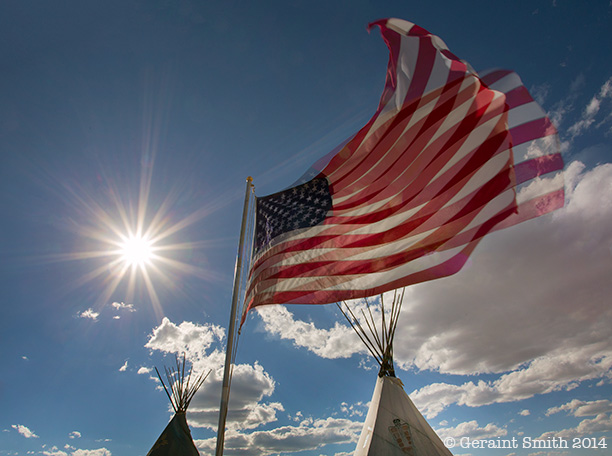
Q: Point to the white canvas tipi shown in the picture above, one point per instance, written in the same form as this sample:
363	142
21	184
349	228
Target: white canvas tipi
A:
393	426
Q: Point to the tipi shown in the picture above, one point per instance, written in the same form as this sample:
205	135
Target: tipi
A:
176	439
393	425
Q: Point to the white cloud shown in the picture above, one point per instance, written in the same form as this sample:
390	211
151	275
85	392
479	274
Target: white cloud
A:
250	383
340	341
539	186
192	339
96	452
123	306
591	110
90	313
308	435
589	426
124	367
144	370
518	293
606	89
472	430
596	113
532	305
583	408
565	106
593	107
535	295
74	435
543	375
536	148
54	451
577	83
25	431
525	412
358	409
540	93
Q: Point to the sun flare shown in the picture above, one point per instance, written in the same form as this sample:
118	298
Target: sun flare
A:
136	251
136	240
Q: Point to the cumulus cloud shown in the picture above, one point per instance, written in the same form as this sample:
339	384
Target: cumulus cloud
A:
472	430
124	367
144	370
340	341
74	435
250	383
518	294
90	313
308	435
192	339
583	408
25	431
589	426
532	305
554	372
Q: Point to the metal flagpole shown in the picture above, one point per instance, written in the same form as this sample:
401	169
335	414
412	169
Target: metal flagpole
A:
232	325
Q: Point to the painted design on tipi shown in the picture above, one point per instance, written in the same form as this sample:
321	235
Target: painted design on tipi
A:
403	437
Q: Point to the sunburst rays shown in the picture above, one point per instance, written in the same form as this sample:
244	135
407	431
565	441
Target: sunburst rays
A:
131	233
128	243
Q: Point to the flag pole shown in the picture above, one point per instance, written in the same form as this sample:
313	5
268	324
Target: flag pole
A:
232	324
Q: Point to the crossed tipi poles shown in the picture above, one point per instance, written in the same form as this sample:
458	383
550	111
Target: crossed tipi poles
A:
393	425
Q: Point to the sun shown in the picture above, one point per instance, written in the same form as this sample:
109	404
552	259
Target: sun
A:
136	251
134	239
132	248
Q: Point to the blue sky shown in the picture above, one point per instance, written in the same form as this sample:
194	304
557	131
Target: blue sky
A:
108	108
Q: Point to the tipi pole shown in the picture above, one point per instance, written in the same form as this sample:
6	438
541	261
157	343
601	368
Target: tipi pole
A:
232	324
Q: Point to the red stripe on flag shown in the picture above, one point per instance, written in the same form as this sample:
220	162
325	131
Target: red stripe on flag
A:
538	166
529	131
416	188
518	97
494	76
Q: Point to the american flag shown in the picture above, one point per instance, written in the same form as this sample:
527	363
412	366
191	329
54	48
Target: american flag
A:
408	197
